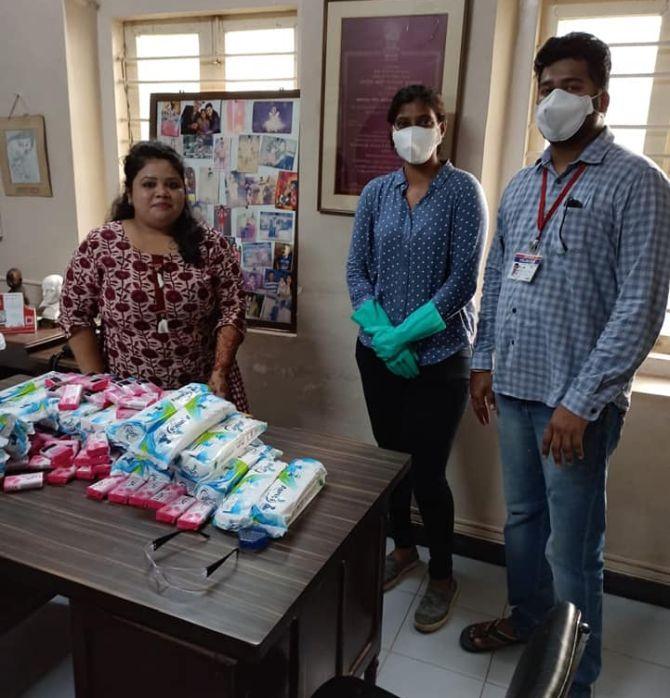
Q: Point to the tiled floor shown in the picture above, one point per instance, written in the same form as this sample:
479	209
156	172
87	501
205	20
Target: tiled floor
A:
636	662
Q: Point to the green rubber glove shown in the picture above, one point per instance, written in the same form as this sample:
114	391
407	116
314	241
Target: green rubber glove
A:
370	314
388	342
404	365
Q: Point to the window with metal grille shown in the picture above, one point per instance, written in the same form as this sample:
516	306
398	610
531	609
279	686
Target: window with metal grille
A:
231	53
638	34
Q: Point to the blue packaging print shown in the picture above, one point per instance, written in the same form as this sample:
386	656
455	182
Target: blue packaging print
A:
289	495
234	512
210	451
130	432
33	407
70	421
132	464
99	421
164	443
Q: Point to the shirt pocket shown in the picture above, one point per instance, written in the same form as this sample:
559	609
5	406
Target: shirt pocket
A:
584	239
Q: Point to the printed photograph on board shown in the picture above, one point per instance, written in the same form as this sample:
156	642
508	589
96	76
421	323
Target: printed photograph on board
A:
287	191
248	151
236	115
272	117
189	183
276	226
250	190
170	119
283	257
198	147
253	280
201	118
254	305
207	185
175	142
221	152
257	255
276	309
222	216
278	152
203	213
245	224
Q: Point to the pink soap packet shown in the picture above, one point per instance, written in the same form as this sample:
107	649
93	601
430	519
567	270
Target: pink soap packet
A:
85	472
61	476
60	453
196	516
19	483
39	462
149	489
16	465
99	490
165	496
102	469
120	494
39	440
125	413
97	445
172	511
97	383
71	397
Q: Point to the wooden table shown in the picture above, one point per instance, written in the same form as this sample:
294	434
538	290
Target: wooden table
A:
21	351
30	341
278	623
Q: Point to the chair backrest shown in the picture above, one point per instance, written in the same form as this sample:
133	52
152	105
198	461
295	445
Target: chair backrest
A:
550	659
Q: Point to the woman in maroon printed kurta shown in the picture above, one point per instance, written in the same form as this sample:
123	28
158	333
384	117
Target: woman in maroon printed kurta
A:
168	290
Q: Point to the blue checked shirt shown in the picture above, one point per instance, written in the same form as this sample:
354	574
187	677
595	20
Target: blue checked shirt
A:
404	258
577	333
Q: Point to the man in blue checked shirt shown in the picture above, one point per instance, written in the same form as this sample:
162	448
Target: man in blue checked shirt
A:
575	292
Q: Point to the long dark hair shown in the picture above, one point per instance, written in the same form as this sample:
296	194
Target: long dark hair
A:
186	231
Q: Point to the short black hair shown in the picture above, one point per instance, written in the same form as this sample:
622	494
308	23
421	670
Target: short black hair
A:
411	93
580	46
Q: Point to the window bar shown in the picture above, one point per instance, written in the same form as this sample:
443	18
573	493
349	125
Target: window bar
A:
620	76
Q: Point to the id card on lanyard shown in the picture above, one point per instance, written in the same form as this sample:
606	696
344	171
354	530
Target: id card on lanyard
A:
526	264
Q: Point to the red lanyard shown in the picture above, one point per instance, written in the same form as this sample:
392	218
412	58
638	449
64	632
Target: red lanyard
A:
543	219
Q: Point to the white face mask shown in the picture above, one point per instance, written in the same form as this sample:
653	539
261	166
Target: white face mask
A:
415	144
561	114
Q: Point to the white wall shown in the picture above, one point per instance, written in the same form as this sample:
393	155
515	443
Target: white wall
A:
39	233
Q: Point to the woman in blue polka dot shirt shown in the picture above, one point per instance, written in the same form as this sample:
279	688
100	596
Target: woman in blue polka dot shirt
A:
412	273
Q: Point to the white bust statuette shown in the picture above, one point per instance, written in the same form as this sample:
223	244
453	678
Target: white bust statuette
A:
51	289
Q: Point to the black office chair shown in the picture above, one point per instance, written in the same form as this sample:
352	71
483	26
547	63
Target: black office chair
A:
545	670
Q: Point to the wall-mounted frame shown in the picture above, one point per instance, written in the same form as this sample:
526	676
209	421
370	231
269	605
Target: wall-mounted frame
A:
372	48
240	153
23	156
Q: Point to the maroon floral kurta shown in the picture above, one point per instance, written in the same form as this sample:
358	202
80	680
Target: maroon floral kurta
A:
159	315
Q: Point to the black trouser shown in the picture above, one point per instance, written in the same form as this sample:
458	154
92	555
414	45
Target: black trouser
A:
419	416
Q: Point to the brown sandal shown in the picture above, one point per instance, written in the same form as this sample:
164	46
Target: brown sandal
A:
490	632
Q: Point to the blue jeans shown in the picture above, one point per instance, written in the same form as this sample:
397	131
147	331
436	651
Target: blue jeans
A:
555	529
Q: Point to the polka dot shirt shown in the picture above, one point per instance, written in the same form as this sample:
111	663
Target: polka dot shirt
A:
404	258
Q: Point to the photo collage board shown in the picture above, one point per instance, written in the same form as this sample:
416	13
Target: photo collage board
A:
240	154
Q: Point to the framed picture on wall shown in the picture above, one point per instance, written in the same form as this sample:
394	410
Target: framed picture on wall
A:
241	152
23	156
371	49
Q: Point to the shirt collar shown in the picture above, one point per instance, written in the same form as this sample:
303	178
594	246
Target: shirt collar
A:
593	154
399	179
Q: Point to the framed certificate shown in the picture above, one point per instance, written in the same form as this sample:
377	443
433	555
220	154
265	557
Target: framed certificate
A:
372	48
